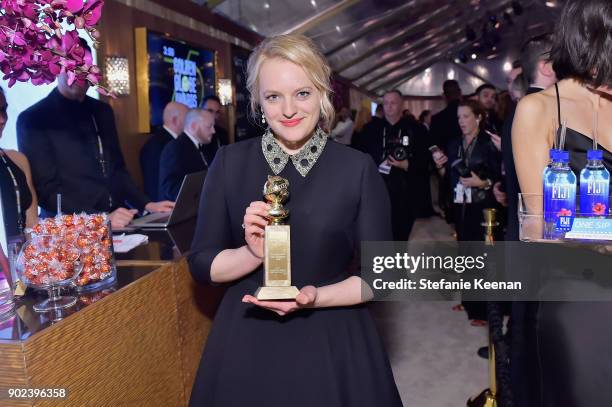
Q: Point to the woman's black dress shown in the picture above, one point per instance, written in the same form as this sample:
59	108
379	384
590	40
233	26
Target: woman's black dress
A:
13	222
575	338
318	357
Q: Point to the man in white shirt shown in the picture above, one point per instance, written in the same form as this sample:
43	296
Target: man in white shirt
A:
343	132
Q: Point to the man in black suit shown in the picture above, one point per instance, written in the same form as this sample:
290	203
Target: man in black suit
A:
523	358
444	124
487	96
186	155
403	176
444	128
174	120
71	142
212	104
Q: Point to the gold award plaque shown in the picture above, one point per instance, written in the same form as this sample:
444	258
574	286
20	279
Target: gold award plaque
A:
277	247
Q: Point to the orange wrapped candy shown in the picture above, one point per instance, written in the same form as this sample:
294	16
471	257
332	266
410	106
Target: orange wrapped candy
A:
57	243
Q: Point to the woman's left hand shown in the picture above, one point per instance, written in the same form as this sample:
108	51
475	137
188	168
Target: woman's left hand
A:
305	299
473	182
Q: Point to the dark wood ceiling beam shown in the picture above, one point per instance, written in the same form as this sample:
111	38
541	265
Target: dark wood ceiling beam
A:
394	15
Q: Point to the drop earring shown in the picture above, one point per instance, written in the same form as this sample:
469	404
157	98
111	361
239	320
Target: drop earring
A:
263	118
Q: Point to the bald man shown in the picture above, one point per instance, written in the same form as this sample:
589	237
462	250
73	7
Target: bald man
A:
174	120
186	154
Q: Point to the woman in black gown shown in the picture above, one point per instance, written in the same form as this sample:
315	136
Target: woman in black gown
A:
19	204
574	338
321	349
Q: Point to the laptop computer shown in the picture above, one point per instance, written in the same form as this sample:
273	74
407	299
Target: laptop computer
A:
185	207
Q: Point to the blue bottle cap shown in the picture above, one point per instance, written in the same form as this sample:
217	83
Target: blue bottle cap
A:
595	155
555	155
564	156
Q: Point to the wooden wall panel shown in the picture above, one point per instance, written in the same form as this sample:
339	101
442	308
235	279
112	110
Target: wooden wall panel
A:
117	38
12	373
99	356
196	309
139	346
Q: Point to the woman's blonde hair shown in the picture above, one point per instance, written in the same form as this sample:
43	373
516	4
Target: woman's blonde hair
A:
363	117
301	51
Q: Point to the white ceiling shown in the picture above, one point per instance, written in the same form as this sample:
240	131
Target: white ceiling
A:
384	44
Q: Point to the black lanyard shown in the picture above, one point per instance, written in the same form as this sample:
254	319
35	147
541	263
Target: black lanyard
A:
201	146
101	159
20	224
384	141
202	156
466	154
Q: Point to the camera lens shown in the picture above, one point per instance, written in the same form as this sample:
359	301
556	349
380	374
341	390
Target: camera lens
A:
400	153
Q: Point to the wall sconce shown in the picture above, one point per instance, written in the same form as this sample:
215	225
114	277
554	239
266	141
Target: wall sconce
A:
118	75
225	91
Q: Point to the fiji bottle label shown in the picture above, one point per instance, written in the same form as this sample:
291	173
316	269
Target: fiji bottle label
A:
594	198
564	223
560	206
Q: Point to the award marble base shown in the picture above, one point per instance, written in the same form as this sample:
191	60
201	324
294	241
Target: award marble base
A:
277	293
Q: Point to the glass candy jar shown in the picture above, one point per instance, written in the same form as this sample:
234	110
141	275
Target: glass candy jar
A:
48	262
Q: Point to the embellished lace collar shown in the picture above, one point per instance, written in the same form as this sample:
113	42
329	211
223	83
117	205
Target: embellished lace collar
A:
303	161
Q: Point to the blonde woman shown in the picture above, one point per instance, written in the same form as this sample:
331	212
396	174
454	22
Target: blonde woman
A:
321	349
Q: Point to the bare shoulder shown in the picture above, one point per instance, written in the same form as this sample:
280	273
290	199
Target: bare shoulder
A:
535	105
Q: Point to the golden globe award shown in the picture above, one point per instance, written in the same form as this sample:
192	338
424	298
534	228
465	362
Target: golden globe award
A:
277	248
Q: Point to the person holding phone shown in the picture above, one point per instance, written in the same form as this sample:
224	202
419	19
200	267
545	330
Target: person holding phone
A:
472	166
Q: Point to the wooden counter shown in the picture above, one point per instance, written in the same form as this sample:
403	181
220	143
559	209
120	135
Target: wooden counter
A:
137	346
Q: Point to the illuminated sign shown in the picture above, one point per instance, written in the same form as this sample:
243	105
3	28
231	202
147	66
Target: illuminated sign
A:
178	72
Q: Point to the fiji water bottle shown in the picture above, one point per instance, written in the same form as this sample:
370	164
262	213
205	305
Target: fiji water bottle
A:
551	155
559	197
594	186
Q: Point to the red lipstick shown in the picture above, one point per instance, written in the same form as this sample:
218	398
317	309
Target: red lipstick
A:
291	123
